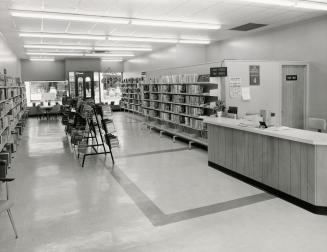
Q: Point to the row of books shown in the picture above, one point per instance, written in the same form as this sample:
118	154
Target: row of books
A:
5	107
4	123
172	79
5	137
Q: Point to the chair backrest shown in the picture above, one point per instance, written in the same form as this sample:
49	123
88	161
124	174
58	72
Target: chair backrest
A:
317	124
55	109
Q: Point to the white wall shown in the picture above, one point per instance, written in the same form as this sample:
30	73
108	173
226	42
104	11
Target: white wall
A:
171	57
73	65
112	66
305	41
8	60
266	96
43	70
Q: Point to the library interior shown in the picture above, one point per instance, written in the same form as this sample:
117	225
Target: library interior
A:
163	125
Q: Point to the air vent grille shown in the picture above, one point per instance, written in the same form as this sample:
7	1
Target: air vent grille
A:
248	27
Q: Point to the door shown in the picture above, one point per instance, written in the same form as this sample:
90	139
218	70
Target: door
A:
293	96
84	82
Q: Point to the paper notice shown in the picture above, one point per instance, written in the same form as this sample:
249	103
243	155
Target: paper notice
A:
246	95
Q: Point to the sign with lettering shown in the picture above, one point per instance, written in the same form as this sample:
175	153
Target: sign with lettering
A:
204	78
292	77
218	71
254	75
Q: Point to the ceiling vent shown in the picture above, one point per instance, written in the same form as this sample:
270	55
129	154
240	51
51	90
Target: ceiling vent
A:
248	27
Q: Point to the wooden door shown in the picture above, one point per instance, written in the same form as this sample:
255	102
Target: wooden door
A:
293	96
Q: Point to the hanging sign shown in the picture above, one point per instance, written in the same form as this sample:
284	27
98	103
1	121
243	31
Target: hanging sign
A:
218	71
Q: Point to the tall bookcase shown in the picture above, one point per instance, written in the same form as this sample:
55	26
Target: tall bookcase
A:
131	95
12	107
173	104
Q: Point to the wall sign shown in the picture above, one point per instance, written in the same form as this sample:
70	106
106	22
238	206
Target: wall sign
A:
291	77
218	71
204	78
254	75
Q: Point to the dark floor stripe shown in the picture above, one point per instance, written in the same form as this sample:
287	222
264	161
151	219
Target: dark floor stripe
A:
158	218
219	207
151	153
149	209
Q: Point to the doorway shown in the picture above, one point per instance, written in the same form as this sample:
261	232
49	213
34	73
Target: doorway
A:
84	84
294	86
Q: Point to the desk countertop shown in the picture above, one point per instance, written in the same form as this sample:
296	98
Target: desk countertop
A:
297	135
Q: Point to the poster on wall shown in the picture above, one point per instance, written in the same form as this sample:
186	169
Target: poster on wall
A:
254	75
235	87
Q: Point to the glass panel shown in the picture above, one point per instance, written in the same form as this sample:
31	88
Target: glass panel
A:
47	93
111	88
88	88
96	87
80	86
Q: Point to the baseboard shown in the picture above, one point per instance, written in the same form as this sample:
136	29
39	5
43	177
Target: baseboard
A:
298	202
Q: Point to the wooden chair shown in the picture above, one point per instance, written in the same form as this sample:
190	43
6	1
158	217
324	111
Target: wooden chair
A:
5	205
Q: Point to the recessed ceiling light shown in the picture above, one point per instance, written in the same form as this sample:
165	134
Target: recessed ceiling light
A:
139	39
59	47
112	48
311	5
54	54
288	3
160	23
62	36
68	17
41	59
190	41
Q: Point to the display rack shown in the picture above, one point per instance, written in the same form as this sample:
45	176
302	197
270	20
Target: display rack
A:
173	104
12	108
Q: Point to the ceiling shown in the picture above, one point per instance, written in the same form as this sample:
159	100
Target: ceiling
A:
227	13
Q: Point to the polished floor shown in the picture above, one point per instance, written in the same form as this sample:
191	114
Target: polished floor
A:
159	196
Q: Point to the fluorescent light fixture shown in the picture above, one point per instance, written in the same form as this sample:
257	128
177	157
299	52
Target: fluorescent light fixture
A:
288	3
161	23
112	48
68	17
189	41
62	36
311	5
109	54
54	54
64	47
112	60
41	59
138	39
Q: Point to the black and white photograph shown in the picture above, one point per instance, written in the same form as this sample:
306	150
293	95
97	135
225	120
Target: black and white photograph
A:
163	126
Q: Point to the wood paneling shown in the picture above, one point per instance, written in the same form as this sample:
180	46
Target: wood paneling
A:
321	184
257	157
282	164
296	169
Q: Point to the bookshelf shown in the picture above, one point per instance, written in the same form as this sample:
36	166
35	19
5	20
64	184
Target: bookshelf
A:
12	107
174	104
131	95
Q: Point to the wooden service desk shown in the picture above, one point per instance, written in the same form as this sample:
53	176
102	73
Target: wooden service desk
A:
289	163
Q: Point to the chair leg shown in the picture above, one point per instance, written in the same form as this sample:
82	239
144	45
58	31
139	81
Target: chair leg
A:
12	222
